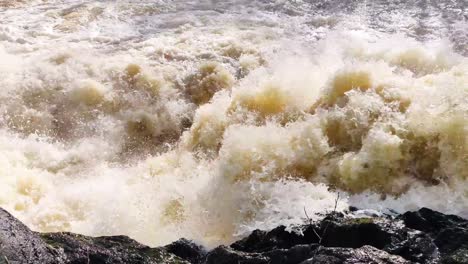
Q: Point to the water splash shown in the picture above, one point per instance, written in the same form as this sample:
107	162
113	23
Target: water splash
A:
209	119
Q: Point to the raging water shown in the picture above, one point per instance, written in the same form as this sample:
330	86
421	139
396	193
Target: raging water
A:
207	119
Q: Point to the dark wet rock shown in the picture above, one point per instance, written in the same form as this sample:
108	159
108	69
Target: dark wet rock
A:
451	239
354	233
18	245
187	250
365	254
380	233
417	247
449	232
278	238
304	254
227	255
293	255
430	221
459	256
424	236
113	249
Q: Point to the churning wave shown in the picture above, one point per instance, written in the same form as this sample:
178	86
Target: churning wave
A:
207	119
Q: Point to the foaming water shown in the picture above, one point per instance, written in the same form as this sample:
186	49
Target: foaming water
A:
208	119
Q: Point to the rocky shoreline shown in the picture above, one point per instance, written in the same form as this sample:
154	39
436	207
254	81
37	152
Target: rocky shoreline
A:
423	236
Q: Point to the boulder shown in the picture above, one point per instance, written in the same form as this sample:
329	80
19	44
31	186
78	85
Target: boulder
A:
448	232
365	254
18	245
227	255
305	254
278	238
424	236
187	250
431	221
293	255
76	248
386	234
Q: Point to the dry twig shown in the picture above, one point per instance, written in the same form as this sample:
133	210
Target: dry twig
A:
320	237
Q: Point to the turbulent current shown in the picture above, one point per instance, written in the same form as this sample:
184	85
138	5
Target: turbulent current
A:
208	119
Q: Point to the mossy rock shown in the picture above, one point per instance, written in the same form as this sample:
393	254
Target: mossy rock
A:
360	221
460	256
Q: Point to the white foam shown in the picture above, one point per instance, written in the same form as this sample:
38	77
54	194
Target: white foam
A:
113	124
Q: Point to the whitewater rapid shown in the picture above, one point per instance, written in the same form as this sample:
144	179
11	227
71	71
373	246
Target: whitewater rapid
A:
208	119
